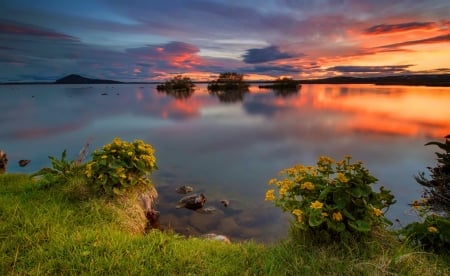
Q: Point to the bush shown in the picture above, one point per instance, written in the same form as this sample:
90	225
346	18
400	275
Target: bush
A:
332	199
177	83
433	232
437	189
229	81
120	165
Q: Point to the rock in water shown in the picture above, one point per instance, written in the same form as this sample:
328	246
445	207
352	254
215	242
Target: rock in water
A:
24	162
225	202
3	161
207	210
192	202
184	189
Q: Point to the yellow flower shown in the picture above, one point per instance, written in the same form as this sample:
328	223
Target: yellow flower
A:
316	205
272	181
324	214
307	186
341	177
283	190
130	153
299	214
377	212
270	195
337	216
325	160
104	156
432	229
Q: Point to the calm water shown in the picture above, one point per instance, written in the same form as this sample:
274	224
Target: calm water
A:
228	148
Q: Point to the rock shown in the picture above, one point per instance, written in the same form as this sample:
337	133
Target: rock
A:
225	202
216	237
206	210
192	202
3	161
184	189
24	162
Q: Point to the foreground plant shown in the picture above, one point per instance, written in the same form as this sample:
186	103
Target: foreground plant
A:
121	165
62	170
433	231
332	199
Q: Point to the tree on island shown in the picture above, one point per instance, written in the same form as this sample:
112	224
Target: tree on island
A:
283	86
179	87
228	81
229	87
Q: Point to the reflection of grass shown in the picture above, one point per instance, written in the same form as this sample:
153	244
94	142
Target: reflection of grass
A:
45	230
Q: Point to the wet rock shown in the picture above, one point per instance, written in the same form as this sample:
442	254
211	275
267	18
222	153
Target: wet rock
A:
216	237
3	161
192	202
24	162
184	189
225	202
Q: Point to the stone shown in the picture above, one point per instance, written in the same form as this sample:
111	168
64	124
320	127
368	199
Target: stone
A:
3	161
216	237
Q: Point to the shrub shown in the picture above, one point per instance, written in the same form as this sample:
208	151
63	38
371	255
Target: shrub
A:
120	165
433	232
437	189
177	83
332	199
229	81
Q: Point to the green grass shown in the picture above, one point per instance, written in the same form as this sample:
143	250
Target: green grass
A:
46	230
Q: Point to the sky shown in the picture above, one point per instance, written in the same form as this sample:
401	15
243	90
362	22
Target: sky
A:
155	40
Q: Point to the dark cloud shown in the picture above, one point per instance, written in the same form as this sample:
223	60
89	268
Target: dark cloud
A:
12	28
391	28
270	53
273	69
370	69
436	39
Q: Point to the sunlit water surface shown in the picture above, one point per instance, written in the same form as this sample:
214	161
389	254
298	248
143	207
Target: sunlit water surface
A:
229	147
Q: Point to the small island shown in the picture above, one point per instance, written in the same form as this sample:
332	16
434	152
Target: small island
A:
283	84
77	79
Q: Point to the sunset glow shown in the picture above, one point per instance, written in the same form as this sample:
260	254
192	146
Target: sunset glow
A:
155	40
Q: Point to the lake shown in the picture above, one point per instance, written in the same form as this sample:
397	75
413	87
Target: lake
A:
229	147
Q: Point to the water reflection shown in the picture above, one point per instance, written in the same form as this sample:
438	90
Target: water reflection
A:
229	151
229	96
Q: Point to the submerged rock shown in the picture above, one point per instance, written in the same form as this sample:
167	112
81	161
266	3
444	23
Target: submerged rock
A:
225	202
192	202
184	189
207	210
24	162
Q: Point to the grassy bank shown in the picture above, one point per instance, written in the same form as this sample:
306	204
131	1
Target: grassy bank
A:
46	230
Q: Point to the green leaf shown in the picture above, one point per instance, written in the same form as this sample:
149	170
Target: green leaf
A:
360	225
347	214
315	220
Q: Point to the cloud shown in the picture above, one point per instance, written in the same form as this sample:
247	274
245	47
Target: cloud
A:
270	53
12	28
273	69
370	69
393	28
436	39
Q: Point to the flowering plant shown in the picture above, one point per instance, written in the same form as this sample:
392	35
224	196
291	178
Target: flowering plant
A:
120	165
334	197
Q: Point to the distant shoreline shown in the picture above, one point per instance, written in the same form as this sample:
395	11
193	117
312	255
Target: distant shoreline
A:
435	80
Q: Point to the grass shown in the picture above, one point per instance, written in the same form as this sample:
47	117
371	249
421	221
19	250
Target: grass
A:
47	230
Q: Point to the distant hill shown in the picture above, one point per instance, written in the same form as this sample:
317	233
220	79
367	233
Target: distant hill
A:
424	79
77	79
